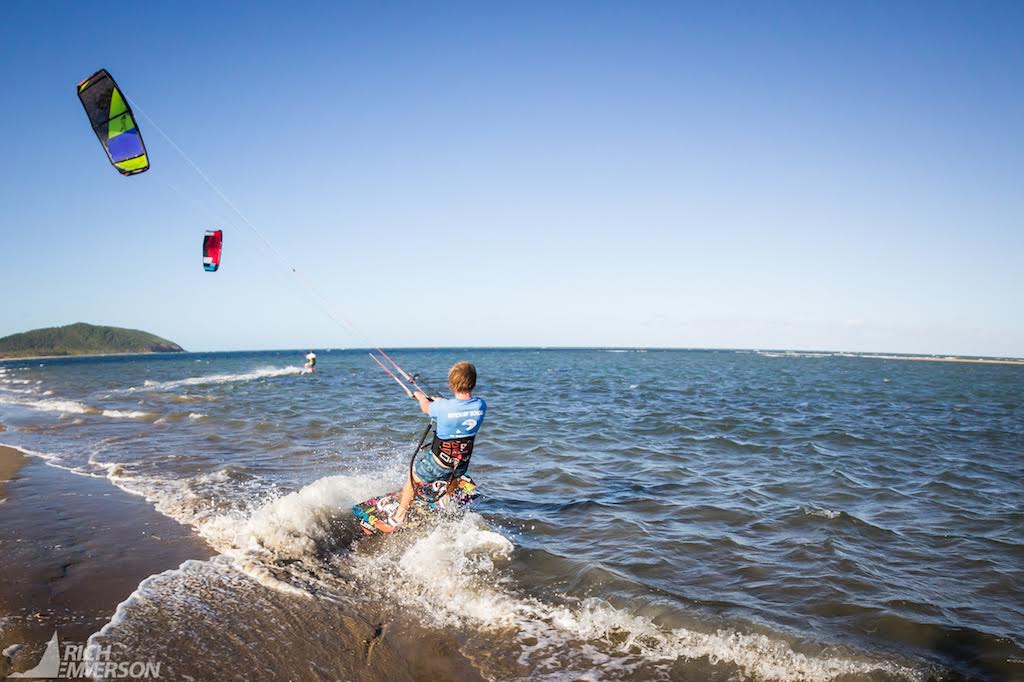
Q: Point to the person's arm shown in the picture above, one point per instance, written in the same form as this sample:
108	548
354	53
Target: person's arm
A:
423	400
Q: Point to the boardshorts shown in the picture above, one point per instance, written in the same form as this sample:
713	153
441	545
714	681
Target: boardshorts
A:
428	470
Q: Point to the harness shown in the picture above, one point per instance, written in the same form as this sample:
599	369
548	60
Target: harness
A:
452	452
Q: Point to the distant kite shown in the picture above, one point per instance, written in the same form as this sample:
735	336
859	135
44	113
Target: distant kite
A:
211	249
113	123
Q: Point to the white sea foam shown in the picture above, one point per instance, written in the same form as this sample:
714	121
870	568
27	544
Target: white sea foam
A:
261	373
297	524
793	354
195	415
148	591
19	391
297	527
51	405
825	513
289	526
451	577
125	414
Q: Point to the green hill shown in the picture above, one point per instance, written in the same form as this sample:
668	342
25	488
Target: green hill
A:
83	339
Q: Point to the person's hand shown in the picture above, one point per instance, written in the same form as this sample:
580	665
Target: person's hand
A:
417	394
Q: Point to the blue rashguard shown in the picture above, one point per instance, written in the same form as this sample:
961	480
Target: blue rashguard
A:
458	418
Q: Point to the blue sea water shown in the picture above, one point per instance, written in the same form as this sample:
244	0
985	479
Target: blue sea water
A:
646	514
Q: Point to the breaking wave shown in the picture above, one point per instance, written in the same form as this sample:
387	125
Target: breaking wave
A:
51	405
71	407
125	414
262	373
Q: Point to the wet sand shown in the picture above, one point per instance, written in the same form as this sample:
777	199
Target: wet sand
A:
71	549
10	461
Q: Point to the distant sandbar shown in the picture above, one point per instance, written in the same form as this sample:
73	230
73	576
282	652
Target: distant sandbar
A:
946	358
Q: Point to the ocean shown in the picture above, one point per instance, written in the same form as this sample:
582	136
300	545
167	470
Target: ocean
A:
670	515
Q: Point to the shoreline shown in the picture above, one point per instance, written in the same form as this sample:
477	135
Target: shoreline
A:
88	355
74	548
11	461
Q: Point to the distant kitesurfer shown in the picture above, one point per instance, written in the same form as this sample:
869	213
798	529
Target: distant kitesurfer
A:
456	424
310	365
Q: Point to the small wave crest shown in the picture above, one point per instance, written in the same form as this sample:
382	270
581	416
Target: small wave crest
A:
71	407
125	414
51	405
824	513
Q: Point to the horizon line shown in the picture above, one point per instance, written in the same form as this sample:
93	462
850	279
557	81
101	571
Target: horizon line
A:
842	353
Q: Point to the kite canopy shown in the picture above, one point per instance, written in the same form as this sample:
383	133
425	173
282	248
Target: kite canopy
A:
113	123
211	249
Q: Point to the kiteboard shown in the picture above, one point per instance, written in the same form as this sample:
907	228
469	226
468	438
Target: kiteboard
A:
375	513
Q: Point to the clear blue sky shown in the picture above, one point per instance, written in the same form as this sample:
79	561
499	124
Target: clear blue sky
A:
769	175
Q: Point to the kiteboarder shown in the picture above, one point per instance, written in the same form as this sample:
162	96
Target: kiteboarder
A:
456	423
310	365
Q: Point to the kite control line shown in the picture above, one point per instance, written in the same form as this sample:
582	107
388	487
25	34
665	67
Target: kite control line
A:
400	370
412	463
412	379
391	374
429	392
419	446
138	162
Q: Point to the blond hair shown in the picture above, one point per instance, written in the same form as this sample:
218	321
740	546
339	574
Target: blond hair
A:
462	377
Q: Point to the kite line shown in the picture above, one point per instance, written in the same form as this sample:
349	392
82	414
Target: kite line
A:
323	303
